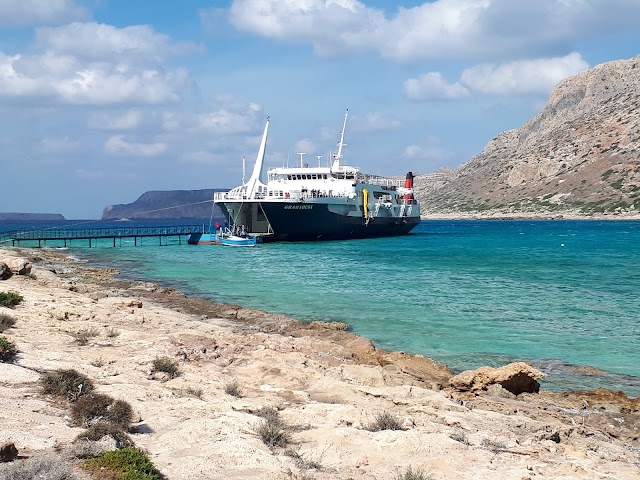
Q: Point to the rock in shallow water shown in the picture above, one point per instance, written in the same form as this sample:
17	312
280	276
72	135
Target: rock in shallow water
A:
516	378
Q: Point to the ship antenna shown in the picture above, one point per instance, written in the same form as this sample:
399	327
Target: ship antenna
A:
319	157
338	156
302	154
243	172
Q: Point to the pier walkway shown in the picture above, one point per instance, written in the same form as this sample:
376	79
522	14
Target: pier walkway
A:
60	236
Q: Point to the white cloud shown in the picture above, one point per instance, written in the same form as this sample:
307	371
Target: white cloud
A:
128	120
117	145
523	77
64	78
470	29
203	157
306	146
374	122
39	12
432	152
232	117
105	42
433	86
58	146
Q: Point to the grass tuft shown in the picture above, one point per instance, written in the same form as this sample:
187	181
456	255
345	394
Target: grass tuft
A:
384	421
494	445
273	431
411	474
66	383
233	389
6	322
8	349
460	437
165	365
82	337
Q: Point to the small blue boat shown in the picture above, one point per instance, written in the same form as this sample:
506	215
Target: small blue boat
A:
236	240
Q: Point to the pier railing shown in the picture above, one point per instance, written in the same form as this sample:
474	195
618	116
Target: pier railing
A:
67	234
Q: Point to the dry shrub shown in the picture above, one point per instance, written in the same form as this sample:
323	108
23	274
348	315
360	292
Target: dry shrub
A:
85	448
273	431
49	467
411	474
165	365
6	322
384	421
82	337
97	407
233	389
66	383
112	333
102	429
90	409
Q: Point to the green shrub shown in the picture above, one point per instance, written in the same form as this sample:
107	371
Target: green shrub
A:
100	430
10	299
7	349
384	421
6	322
165	365
66	383
125	464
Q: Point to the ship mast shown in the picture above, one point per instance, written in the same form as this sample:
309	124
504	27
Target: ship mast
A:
255	181
338	156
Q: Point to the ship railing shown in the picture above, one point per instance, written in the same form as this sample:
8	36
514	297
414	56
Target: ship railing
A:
381	181
223	196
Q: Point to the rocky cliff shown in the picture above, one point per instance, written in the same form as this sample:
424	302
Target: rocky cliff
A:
167	204
580	156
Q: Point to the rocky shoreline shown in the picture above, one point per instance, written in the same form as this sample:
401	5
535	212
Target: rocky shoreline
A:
327	383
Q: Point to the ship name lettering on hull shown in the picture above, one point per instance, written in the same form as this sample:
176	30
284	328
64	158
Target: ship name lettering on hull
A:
298	207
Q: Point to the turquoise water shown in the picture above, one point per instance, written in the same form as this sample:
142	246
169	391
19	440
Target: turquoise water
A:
467	293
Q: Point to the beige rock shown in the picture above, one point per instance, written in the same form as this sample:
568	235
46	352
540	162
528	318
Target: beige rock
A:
516	378
18	265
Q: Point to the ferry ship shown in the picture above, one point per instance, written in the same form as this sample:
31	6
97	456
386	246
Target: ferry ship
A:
320	203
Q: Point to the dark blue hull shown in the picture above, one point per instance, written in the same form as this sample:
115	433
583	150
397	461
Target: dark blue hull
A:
314	221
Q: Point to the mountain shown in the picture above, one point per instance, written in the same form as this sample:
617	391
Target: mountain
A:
168	204
579	156
49	217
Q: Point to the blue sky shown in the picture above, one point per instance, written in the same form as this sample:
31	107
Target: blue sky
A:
102	100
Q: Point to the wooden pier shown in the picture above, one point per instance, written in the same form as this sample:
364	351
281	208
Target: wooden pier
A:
62	236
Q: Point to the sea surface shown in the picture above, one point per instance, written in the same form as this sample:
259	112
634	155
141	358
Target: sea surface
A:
563	295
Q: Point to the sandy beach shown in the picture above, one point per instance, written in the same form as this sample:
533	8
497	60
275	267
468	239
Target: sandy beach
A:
327	383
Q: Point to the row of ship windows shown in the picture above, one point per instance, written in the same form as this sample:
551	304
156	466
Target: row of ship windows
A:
318	176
